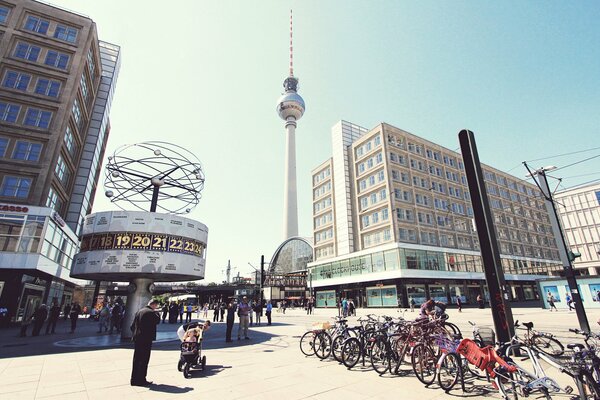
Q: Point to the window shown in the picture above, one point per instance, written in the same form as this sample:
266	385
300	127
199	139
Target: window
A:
56	59
3	146
91	65
13	186
598	197
76	112
65	33
4	14
27	52
47	87
61	170
377	140
27	151
36	24
84	88
38	118
16	80
9	112
53	200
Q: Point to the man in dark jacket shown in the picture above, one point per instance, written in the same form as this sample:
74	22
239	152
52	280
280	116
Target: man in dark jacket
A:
144	332
39	317
231	308
53	316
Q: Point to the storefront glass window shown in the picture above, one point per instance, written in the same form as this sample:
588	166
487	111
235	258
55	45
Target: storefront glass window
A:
438	293
326	298
391	260
417	292
378	262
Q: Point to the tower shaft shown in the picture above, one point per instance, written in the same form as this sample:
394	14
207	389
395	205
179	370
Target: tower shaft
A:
290	197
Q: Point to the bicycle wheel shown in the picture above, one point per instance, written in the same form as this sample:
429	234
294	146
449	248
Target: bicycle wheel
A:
449	371
307	343
379	359
351	352
336	347
506	386
322	345
452	328
423	362
547	345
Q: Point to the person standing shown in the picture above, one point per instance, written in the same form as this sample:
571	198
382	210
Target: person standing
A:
39	317
104	318
67	311
173	310
53	316
222	307
216	312
412	303
351	308
243	310
309	307
268	311
188	313
251	313
480	302
258	311
165	311
231	308
181	312
459	303
344	307
74	315
205	311
115	317
144	333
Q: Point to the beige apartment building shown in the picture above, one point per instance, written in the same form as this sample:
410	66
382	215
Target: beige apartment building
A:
392	220
56	85
579	210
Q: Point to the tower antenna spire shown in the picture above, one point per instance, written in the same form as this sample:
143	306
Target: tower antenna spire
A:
291	47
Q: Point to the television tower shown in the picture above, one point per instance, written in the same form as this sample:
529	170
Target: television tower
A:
290	108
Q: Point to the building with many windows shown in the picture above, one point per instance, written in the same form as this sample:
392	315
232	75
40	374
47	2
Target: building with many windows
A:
56	85
579	211
392	220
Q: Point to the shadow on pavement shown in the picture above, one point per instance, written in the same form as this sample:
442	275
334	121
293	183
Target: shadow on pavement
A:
169	388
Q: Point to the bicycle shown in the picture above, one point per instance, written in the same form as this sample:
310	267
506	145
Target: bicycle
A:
359	346
542	341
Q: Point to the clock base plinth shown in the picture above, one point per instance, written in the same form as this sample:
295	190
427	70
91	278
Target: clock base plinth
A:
138	297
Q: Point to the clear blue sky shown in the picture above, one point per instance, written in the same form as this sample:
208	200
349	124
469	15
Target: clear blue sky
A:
523	75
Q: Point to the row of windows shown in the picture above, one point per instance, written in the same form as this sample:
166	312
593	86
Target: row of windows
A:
375	238
41	26
20	81
23	150
316	178
324	252
30	52
375	217
34	117
324	219
372	199
368	146
370	163
321	190
324	235
322	205
372	180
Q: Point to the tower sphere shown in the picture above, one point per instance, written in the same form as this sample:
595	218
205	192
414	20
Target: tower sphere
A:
290	104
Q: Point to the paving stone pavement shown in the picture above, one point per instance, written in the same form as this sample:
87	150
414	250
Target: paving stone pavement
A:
269	366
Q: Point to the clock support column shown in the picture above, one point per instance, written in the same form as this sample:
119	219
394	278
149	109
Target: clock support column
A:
139	294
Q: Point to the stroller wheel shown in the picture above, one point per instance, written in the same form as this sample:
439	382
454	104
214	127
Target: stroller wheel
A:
203	362
180	365
186	371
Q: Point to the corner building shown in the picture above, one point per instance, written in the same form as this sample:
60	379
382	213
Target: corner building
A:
392	220
56	85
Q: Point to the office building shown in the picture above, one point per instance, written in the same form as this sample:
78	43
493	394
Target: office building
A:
56	85
393	220
579	211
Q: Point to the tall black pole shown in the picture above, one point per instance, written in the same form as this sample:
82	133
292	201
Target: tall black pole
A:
562	248
262	277
154	201
490	254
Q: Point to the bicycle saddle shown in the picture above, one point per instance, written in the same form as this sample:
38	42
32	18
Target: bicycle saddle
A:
575	346
528	325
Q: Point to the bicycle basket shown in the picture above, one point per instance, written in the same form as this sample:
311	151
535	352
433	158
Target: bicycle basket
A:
488	337
321	326
446	344
573	359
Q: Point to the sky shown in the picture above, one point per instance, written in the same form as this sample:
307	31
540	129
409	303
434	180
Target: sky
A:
524	76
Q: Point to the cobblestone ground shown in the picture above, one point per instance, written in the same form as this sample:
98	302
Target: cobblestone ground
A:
270	365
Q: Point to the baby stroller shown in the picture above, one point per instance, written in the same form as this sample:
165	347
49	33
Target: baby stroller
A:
191	348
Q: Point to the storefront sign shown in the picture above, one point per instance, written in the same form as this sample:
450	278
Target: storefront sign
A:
343	270
285	280
6	207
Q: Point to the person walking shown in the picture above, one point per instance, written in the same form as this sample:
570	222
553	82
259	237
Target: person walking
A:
53	316
104	318
351	308
309	307
569	300
345	307
74	315
222	307
143	332
215	312
205	311
412	303
165	312
480	302
268	311
459	303
243	311
39	317
231	308
550	299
